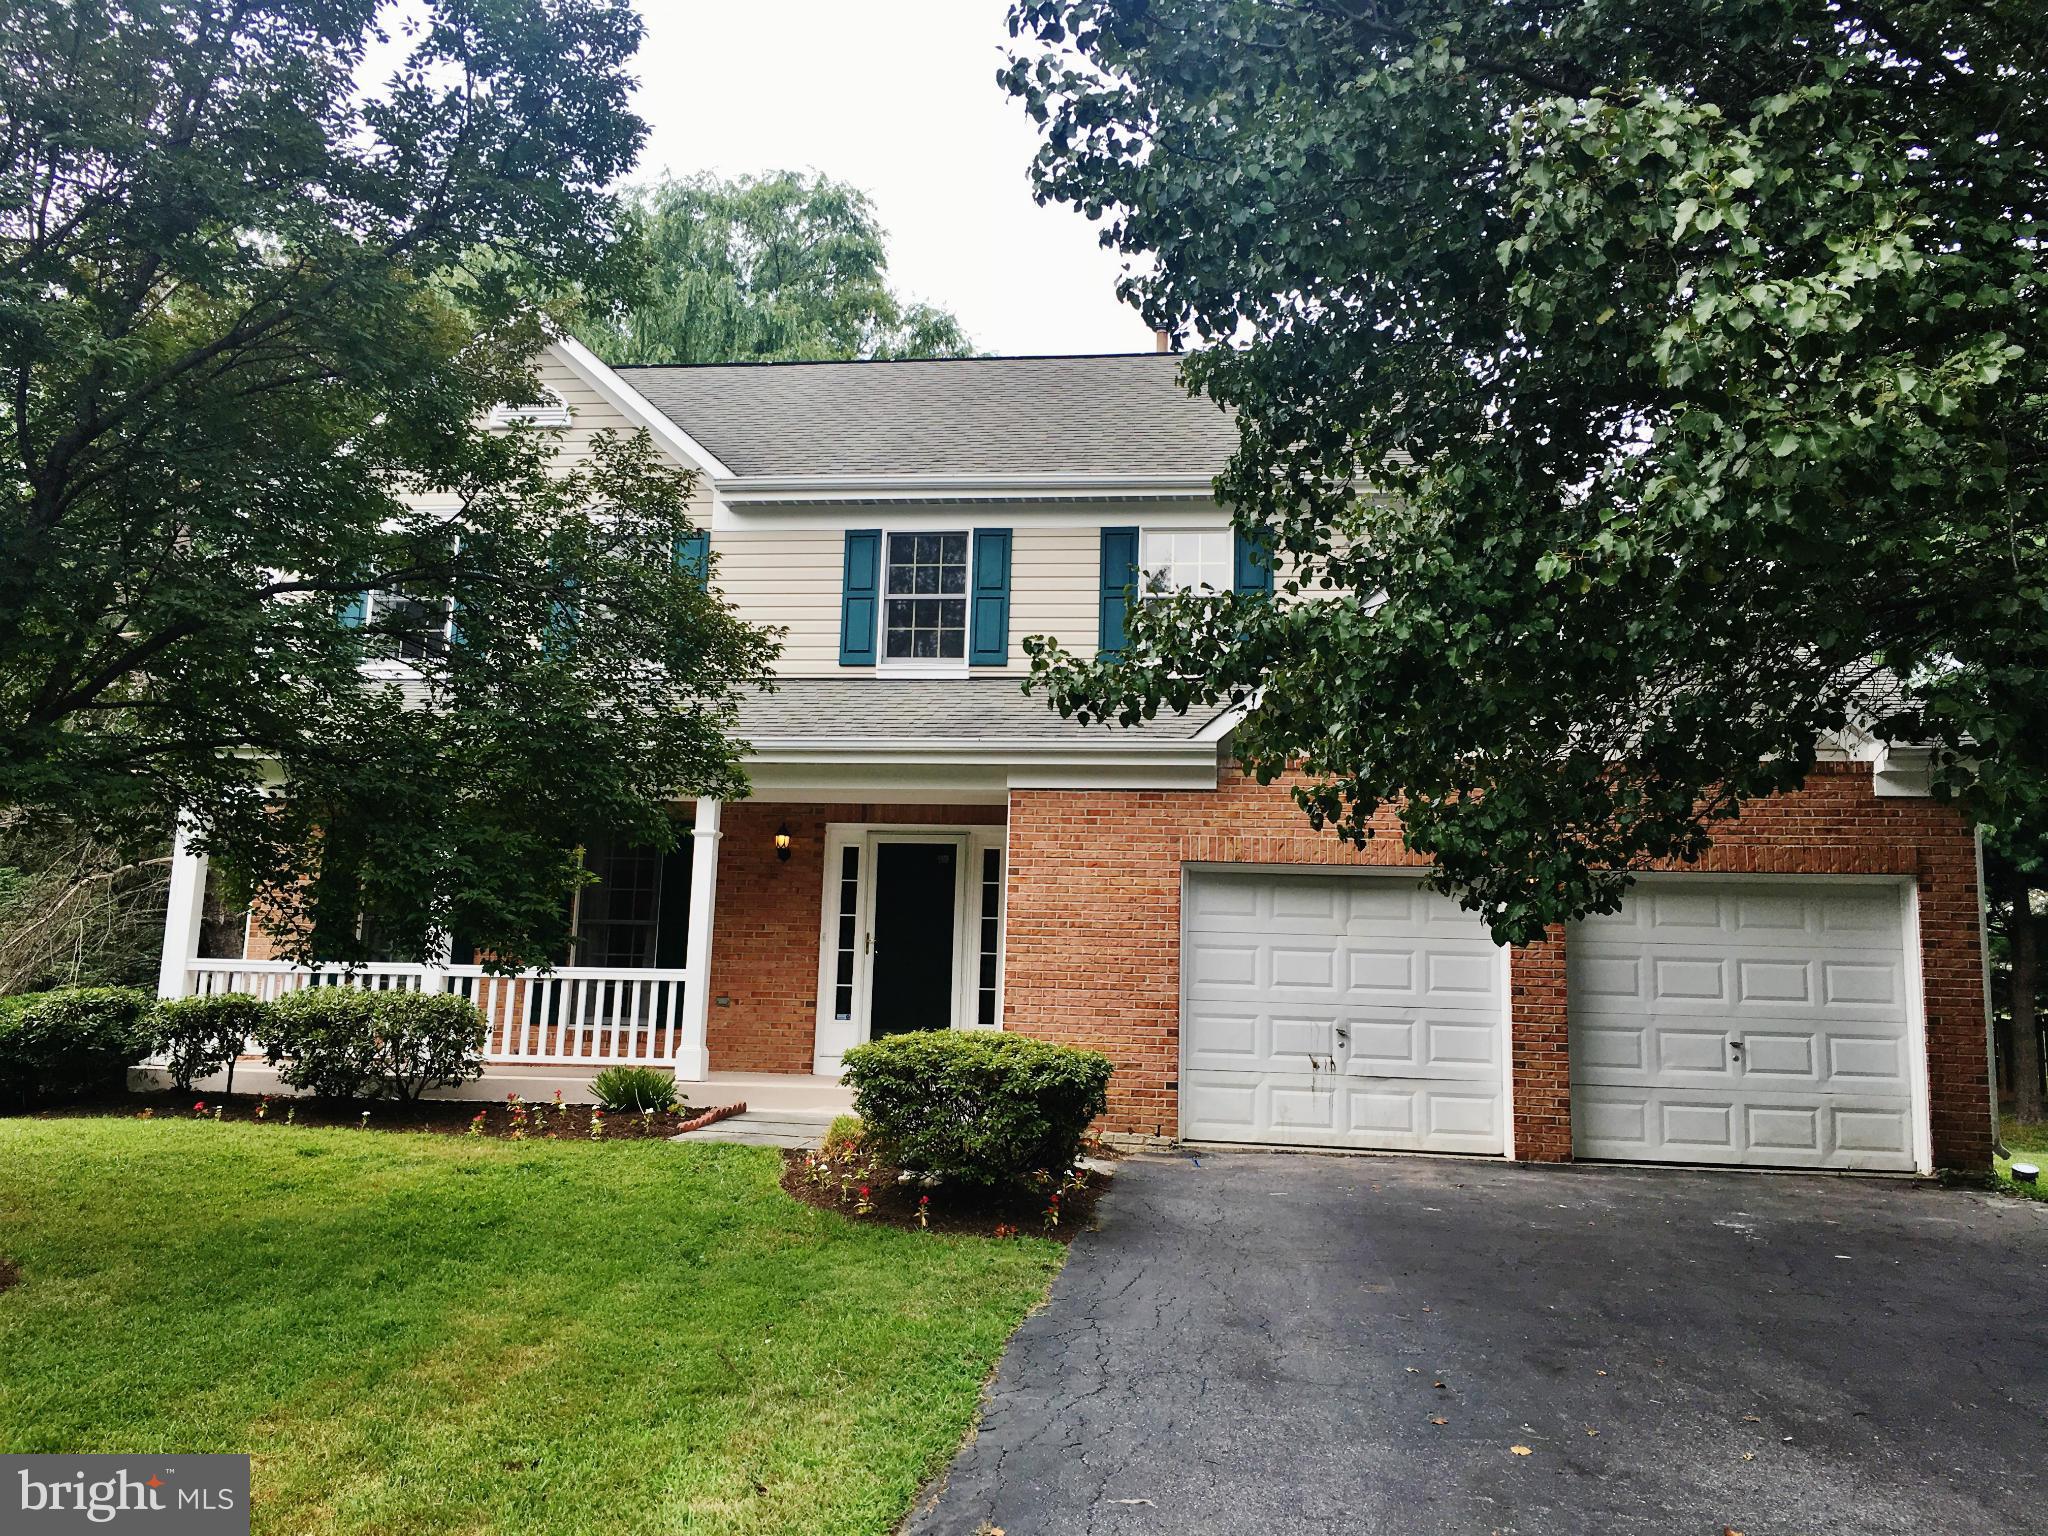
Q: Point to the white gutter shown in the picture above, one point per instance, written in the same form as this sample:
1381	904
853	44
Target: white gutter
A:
973	753
811	489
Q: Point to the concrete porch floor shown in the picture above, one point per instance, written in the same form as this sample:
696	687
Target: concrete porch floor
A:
801	1097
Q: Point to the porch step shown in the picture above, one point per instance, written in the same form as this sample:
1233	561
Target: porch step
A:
800	1128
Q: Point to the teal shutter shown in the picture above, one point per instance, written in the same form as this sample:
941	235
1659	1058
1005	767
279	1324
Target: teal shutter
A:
860	597
1119	575
356	611
989	621
1254	567
693	554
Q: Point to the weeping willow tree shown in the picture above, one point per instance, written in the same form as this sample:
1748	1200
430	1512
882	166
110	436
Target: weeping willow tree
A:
776	268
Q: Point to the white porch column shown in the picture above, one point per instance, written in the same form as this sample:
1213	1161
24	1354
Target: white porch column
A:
693	1053
181	922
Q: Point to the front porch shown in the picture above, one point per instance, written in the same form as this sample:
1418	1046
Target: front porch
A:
819	925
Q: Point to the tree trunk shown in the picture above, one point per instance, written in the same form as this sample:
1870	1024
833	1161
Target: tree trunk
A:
2025	934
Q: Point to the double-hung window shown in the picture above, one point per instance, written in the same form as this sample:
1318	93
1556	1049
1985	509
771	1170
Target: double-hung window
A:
1184	560
924	610
416	627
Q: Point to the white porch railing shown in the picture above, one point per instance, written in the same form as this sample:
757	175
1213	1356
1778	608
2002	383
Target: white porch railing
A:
576	1016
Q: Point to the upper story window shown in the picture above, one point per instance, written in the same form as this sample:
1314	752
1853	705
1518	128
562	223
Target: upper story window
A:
547	410
1185	559
925	598
416	627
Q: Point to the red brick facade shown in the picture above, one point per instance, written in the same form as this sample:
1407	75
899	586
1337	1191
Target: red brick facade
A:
764	931
1093	930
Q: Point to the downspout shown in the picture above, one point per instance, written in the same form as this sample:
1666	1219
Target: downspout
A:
1998	1147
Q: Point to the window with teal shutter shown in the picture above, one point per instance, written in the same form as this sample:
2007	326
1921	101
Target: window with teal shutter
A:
860	597
1254	564
356	611
1119	574
693	554
990	625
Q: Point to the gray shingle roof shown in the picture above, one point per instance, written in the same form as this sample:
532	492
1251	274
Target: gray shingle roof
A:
991	710
1125	415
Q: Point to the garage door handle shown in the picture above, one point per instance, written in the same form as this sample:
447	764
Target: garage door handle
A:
1343	1035
1735	1046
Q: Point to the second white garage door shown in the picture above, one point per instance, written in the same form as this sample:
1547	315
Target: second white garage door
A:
1355	1010
1762	1022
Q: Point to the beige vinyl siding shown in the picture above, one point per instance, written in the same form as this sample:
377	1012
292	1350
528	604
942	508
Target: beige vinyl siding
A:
792	579
1055	587
786	579
589	412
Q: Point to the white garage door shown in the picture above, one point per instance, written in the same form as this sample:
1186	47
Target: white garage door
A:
1339	1011
1760	1022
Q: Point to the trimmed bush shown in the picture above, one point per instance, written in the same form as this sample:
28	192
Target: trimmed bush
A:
978	1106
843	1136
197	1036
427	1040
59	1045
627	1089
322	1040
342	1043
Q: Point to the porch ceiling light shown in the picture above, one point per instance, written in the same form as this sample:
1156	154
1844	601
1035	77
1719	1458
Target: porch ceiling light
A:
782	842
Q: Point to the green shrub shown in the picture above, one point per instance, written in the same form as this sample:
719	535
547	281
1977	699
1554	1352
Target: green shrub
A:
343	1043
843	1135
322	1040
976	1107
58	1045
634	1088
427	1040
197	1036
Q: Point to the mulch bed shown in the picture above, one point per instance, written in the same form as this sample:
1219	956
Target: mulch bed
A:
835	1183
537	1120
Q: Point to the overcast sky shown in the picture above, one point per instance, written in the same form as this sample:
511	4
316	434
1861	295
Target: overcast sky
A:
901	100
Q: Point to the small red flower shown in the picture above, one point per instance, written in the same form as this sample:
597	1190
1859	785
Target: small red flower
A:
863	1191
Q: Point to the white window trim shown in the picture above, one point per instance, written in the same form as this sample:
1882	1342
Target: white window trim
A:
833	1037
1226	566
923	666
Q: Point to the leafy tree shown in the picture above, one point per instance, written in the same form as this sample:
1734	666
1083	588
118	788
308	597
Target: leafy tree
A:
1631	395
775	268
252	317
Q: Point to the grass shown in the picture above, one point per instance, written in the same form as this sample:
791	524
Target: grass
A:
2028	1143
425	1334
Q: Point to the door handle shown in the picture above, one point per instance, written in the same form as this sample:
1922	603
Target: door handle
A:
1735	1049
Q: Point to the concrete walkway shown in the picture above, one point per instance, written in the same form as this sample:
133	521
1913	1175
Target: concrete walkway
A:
1269	1344
804	1128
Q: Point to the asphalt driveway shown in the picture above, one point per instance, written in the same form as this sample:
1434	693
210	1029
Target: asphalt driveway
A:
1265	1343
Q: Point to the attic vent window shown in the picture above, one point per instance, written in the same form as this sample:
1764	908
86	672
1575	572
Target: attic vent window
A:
549	410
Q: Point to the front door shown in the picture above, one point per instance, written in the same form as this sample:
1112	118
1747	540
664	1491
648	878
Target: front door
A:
911	967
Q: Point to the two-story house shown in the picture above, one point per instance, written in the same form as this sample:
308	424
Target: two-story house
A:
926	847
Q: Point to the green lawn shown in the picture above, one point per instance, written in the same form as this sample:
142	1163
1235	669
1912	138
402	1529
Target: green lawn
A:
416	1333
2028	1142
